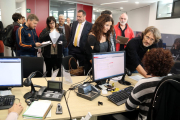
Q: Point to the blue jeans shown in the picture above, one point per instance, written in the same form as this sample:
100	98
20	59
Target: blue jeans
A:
28	55
65	51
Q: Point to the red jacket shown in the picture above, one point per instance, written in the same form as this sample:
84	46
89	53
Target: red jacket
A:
128	33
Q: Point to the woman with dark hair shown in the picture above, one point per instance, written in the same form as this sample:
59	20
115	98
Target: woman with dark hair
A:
157	63
52	53
98	39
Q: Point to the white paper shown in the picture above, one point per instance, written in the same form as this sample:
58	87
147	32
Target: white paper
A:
54	35
43	44
136	77
67	77
5	92
54	74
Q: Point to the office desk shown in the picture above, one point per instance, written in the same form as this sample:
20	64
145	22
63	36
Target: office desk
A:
78	106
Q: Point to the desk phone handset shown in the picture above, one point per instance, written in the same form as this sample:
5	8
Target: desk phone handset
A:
41	91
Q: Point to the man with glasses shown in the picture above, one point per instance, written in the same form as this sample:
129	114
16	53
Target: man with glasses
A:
137	47
66	30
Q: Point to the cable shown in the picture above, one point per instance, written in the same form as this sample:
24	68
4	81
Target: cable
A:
68	107
68	95
42	75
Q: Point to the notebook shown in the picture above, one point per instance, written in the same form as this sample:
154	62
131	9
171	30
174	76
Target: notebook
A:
122	40
38	110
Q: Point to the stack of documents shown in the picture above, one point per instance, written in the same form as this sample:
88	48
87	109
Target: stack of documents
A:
38	110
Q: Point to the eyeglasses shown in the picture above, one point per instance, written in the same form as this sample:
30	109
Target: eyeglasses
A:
51	23
151	39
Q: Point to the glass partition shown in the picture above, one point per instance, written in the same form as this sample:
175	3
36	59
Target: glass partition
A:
68	9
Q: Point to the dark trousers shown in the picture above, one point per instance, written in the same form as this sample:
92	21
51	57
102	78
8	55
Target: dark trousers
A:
53	63
77	54
121	47
2	54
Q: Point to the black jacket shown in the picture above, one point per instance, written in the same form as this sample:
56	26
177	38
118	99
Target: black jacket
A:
1	30
44	36
84	34
135	51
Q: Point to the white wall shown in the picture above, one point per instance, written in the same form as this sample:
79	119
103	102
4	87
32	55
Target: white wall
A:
22	8
168	26
139	18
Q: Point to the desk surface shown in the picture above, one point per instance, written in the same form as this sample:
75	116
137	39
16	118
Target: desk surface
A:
78	106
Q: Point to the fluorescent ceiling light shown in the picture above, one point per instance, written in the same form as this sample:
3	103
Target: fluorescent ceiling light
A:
137	2
121	8
113	2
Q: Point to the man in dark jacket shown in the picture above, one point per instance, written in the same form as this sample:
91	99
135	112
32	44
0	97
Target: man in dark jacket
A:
1	42
79	34
17	18
27	38
67	31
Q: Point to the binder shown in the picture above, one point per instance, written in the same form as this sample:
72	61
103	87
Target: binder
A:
38	110
122	40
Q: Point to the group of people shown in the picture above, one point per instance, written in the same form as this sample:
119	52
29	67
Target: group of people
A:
82	38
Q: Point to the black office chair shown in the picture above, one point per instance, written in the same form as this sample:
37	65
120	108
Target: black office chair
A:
65	63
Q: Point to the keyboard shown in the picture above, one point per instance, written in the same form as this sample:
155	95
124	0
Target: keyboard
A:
6	102
121	96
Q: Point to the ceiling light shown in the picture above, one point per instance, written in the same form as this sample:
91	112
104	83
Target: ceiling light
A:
137	2
121	8
113	2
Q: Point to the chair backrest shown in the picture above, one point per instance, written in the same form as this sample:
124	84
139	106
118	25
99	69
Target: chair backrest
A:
32	64
65	63
165	104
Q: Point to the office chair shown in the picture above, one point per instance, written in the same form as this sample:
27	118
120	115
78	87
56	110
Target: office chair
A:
65	62
165	105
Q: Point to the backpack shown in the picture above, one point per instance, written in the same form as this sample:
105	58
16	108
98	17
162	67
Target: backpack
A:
7	36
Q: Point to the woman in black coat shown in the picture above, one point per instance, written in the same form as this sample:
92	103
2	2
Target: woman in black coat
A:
52	53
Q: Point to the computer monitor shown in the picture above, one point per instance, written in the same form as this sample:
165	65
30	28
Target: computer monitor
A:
107	65
10	72
32	64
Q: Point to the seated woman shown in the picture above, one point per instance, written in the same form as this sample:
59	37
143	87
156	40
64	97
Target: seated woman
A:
98	39
157	63
175	50
52	53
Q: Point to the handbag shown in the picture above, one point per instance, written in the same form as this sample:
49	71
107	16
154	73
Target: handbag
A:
77	72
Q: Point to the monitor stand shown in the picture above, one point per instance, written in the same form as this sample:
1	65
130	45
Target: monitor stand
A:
101	82
123	82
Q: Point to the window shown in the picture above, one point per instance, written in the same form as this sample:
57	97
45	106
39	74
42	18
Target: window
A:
168	9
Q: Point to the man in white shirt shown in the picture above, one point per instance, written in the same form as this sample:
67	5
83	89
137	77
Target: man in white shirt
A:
79	34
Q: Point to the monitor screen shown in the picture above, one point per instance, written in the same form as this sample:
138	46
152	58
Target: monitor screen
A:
11	72
107	65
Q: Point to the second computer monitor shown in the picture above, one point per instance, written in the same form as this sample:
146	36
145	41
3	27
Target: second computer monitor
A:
107	65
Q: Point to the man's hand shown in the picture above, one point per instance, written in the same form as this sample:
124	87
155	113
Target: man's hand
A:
117	41
38	44
16	108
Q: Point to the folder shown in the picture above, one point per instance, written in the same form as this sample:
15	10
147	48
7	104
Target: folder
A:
38	110
122	40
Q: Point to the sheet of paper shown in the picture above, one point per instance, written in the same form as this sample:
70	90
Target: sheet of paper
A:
5	92
43	44
54	74
54	36
104	91
136	77
67	77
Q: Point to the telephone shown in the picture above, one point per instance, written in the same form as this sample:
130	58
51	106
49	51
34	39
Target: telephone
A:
41	91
